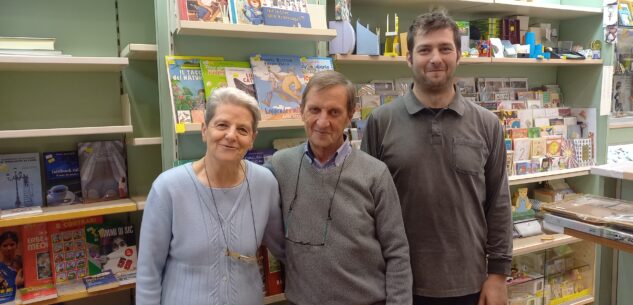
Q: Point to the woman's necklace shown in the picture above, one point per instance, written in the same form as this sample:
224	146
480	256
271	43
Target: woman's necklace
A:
228	252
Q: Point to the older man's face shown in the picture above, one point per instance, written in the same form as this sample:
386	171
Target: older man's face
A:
325	116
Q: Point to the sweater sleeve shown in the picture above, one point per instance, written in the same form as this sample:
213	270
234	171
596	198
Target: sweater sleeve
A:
498	211
393	241
154	243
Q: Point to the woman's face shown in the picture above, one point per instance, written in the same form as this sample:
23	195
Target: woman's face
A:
118	243
229	134
8	248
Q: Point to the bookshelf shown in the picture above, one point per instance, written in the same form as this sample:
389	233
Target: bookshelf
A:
274	298
139	51
145	141
368	59
83	295
545	176
198	28
140	202
59	132
62	64
73	211
540	242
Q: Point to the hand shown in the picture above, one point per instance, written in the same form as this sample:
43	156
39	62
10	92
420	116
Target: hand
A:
494	291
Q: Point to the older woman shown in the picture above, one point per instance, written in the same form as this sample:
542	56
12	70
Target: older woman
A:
205	220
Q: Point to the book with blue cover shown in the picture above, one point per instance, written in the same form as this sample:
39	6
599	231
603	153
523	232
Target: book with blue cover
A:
286	13
279	84
102	281
313	65
63	185
20	181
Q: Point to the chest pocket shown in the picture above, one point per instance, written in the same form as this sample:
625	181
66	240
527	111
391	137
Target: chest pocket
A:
469	156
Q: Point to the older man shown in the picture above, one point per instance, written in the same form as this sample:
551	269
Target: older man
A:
345	239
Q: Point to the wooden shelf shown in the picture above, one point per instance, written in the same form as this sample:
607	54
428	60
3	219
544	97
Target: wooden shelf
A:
73	211
600	240
53	63
140	202
145	141
559	174
274	298
622	171
263	125
139	51
547	62
83	295
542	10
531	244
370	59
200	28
424	5
57	132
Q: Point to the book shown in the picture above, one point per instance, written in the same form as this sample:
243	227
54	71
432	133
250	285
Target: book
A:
246	12
11	264
12	52
186	87
27	43
111	247
102	281
313	65
68	250
203	10
21	185
286	13
214	74
241	78
37	258
70	287
103	170
63	184
279	84
272	274
125	278
37	294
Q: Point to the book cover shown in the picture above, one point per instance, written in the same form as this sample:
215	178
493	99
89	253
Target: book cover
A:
103	170
11	265
68	249
246	12
313	65
286	13
38	293
111	247
538	147
241	78
522	149
279	85
203	10
214	74
102	281
125	278
70	287
583	152
27	43
37	258
186	87
63	184
21	183
553	144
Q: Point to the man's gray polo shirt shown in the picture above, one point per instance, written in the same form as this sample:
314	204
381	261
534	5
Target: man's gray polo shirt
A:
449	168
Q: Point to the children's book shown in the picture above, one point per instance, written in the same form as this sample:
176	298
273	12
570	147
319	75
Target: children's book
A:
103	170
68	248
241	78
279	84
203	10
186	87
37	294
313	65
21	183
37	258
214	74
63	184
246	12
111	247
102	281
286	13
11	265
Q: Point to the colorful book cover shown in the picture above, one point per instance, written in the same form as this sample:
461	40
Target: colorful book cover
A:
37	294
37	258
186	87
63	184
553	144
102	281
21	183
111	247
68	248
214	74
10	264
312	65
286	13
279	85
203	10
241	78
103	170
246	12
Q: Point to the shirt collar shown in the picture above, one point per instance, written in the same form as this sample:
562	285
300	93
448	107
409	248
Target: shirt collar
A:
341	153
413	105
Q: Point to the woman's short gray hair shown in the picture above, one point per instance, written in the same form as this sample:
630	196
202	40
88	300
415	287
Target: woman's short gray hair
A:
233	96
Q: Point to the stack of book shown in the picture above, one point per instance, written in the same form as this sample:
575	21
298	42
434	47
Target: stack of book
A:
28	46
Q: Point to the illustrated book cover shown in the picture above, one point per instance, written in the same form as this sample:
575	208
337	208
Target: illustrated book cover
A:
279	84
186	87
103	170
63	184
37	258
111	247
11	265
20	182
286	13
241	78
214	74
37	294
